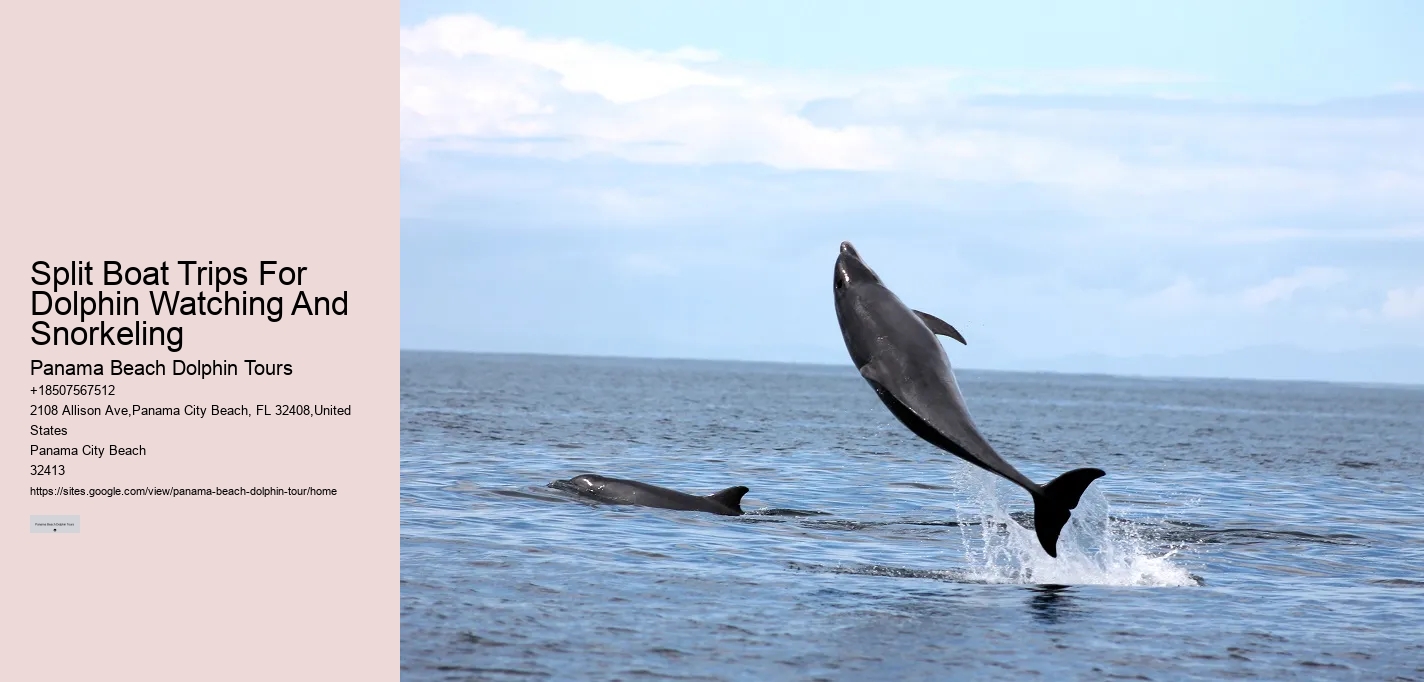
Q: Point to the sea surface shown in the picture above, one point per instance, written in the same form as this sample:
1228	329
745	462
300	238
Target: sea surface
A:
1245	529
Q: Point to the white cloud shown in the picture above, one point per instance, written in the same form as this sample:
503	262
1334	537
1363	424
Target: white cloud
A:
1404	303
614	73
1360	233
468	84
1282	288
1181	296
486	86
1185	297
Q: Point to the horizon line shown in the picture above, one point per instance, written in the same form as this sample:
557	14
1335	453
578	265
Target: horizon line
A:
1364	384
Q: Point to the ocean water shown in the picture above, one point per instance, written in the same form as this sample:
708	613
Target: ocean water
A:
1245	529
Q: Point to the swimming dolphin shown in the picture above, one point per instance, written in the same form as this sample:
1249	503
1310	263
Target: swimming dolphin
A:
622	491
896	351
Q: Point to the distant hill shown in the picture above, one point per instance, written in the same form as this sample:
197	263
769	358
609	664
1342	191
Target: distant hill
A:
1391	365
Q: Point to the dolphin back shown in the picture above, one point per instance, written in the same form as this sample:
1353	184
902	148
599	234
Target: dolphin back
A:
624	491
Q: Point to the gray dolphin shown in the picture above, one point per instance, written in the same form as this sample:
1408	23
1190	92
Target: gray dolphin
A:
896	351
622	491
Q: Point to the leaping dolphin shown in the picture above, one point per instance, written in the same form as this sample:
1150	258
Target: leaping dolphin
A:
896	351
622	491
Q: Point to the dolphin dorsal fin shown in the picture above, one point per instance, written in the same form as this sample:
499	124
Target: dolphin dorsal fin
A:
941	327
731	497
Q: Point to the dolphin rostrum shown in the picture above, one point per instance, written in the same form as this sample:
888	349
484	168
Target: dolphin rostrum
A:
896	351
622	491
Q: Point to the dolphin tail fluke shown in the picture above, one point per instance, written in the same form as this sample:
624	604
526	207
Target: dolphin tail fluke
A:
1054	505
731	497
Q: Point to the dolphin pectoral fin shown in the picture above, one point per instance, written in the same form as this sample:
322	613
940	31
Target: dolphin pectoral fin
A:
868	372
731	497
872	373
941	327
881	381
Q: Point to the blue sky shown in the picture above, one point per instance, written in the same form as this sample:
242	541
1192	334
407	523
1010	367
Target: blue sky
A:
1067	183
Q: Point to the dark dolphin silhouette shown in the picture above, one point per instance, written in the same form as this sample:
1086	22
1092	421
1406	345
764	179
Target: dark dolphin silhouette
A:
622	491
896	351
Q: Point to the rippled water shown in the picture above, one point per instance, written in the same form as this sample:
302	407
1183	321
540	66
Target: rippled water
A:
1245	529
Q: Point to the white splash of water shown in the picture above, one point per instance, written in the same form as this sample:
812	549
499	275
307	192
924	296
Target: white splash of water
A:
1092	550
